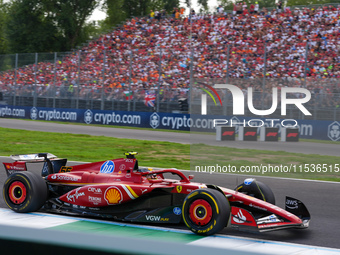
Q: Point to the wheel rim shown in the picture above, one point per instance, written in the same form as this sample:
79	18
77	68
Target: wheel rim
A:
17	192
200	212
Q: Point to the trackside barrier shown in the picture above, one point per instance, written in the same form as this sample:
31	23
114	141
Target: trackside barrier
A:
247	133
308	129
225	133
19	240
268	134
289	135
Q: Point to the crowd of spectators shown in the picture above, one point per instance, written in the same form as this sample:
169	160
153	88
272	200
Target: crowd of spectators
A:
156	50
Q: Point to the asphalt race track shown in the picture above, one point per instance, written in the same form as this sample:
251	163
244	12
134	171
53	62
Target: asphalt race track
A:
300	147
321	198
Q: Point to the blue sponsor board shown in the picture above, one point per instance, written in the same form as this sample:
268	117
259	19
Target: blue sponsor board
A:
309	129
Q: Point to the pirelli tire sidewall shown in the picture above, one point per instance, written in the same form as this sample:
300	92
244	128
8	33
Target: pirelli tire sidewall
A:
34	187
218	206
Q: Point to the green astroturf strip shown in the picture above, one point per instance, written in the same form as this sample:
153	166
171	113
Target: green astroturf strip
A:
127	231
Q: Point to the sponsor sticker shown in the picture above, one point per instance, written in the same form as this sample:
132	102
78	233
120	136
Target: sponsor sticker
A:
108	167
95	200
73	196
154	120
94	190
248	181
239	217
292	204
113	195
177	211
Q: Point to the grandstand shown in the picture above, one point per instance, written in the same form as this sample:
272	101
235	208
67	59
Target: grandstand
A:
297	47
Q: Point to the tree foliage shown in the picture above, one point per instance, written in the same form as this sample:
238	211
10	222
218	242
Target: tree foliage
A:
3	16
47	25
59	25
308	2
120	10
115	12
69	17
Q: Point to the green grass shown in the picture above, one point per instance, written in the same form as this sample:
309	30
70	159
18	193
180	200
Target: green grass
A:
78	147
294	165
168	130
88	148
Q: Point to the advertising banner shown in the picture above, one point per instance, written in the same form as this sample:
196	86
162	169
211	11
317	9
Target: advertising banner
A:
269	134
247	133
290	135
224	133
308	129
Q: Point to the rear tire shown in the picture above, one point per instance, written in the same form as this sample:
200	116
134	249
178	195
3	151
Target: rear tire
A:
206	211
25	192
256	189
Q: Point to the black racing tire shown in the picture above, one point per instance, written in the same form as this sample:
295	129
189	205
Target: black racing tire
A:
254	188
206	211
25	192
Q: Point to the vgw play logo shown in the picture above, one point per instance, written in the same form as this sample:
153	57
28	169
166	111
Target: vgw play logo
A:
239	102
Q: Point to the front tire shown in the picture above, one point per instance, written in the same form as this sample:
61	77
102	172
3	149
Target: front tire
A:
254	188
25	192
206	211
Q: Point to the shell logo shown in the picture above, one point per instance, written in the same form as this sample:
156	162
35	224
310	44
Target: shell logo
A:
113	195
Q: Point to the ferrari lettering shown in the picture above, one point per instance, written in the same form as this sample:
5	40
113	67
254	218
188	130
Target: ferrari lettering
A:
10	167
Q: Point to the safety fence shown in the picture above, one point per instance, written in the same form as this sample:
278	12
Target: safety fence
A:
160	78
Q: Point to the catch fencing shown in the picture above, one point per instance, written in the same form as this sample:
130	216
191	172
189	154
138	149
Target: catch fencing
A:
157	78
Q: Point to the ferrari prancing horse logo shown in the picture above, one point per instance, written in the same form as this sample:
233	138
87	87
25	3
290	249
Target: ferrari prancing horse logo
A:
179	189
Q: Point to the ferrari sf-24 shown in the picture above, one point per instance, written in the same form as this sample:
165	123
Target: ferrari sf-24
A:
120	190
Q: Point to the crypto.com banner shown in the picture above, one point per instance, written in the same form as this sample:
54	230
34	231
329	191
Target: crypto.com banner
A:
309	129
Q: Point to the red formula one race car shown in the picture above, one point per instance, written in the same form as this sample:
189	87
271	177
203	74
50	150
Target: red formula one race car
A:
119	190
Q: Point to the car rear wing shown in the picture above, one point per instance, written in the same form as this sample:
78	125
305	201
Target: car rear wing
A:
31	158
52	164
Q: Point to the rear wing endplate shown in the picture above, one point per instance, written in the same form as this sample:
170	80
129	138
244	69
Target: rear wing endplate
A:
52	164
36	157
